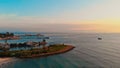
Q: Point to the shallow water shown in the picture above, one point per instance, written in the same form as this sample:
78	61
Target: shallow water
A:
89	52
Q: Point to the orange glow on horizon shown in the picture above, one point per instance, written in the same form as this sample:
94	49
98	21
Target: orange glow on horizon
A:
105	25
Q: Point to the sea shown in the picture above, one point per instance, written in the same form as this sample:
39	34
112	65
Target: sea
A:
89	52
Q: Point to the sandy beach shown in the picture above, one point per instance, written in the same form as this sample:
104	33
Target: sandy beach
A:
5	60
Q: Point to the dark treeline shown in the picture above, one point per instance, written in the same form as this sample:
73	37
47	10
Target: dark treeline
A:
7	34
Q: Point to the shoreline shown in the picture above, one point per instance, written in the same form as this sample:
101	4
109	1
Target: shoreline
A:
5	60
66	49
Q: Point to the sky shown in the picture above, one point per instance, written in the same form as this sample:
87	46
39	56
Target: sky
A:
60	15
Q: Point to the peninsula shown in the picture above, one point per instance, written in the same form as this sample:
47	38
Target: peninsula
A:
31	49
38	52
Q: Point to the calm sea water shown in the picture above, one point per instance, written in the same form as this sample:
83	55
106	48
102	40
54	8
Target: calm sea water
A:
89	52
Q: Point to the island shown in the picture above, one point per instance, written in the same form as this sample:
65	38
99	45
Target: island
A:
32	49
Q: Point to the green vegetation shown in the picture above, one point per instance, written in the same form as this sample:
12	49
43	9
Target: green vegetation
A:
31	52
56	47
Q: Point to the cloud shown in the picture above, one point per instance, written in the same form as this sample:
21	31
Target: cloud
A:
106	9
33	23
7	15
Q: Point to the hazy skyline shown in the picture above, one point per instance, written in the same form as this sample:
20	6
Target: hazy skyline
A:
60	15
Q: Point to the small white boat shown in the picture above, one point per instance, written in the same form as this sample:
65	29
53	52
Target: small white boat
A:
99	38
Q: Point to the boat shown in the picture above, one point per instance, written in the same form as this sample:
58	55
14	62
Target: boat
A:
99	38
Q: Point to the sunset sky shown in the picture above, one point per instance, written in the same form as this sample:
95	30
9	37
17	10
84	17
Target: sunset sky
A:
60	15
